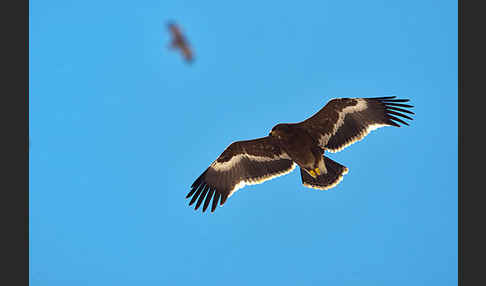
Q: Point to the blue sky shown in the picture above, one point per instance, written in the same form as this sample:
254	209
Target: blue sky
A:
120	127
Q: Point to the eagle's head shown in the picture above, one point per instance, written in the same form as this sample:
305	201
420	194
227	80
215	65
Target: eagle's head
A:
280	130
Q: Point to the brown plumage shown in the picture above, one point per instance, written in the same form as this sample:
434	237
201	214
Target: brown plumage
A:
180	42
340	123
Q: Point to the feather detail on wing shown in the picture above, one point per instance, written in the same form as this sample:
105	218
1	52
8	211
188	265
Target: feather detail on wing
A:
344	121
242	163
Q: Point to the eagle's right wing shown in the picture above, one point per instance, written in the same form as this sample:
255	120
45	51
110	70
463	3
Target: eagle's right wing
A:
242	163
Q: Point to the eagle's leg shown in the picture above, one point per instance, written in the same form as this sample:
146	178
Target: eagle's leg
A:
319	166
317	171
321	169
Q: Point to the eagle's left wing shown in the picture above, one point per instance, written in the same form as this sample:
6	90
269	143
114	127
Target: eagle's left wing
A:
242	163
343	121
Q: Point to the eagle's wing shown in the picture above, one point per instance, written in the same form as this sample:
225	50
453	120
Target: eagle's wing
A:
344	121
242	163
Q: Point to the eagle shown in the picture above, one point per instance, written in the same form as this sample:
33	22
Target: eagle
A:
180	42
340	123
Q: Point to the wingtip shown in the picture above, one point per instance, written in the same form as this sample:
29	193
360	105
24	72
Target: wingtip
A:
223	200
396	100
383	97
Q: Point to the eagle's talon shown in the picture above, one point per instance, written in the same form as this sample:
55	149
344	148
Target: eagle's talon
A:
318	171
313	174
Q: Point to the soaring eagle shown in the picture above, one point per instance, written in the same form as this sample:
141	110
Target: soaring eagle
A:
180	42
340	123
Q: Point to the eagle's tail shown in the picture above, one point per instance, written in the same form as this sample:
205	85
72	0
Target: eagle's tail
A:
334	175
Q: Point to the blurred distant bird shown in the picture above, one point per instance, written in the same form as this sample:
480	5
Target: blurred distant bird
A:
179	42
340	123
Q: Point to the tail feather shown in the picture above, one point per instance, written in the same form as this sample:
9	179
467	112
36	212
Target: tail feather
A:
334	175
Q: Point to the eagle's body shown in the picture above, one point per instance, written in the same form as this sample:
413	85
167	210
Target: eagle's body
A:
337	125
301	147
